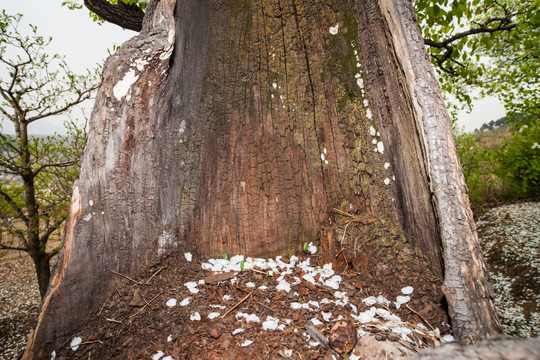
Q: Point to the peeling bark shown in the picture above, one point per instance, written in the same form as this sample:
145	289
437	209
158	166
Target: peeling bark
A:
273	124
466	279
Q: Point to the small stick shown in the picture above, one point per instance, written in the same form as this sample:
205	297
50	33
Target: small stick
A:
142	308
124	276
421	317
235	306
259	271
113	320
88	343
155	274
151	308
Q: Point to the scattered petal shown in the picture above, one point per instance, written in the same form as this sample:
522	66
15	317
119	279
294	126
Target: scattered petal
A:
334	29
238	331
195	316
157	355
213	315
75	343
185	302
407	290
171	302
188	256
246	343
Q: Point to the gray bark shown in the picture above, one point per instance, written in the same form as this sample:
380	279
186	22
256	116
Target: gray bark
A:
466	279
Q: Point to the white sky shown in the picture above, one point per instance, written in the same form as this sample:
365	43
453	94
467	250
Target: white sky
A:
84	43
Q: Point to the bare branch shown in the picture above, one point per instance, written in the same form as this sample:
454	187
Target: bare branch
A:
8	247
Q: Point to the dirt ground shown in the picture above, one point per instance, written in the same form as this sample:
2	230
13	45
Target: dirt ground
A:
137	323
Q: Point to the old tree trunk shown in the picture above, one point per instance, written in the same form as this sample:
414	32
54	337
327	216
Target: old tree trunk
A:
253	126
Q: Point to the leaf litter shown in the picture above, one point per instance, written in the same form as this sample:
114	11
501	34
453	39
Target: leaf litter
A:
281	307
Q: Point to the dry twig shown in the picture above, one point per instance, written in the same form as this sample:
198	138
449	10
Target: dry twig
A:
235	306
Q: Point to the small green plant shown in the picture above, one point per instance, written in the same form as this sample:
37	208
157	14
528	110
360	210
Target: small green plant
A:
305	248
225	256
242	265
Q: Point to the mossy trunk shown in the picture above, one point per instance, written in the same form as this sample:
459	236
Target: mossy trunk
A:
273	123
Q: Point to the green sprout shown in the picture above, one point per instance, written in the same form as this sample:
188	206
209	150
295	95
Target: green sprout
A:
225	256
242	265
305	247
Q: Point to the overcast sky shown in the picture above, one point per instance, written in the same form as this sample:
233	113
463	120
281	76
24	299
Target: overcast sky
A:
84	43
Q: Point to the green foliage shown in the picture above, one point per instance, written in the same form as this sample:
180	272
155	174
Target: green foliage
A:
501	164
224	255
519	158
305	247
489	46
79	4
242	263
478	168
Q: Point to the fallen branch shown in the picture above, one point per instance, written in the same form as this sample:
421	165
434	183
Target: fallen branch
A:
114	320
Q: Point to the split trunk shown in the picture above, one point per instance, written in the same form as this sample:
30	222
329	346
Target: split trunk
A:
252	127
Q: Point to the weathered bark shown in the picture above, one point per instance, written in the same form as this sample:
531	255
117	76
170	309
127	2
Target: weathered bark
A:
122	14
466	281
265	130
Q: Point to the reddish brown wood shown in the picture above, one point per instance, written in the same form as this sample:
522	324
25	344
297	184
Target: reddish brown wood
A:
255	137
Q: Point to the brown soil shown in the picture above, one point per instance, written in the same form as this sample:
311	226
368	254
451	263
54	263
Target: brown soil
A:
136	323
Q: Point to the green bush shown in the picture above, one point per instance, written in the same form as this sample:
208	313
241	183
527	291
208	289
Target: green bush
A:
518	159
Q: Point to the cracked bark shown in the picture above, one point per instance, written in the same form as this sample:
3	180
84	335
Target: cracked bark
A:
248	139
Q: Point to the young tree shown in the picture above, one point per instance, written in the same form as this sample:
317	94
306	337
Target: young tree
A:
252	126
37	172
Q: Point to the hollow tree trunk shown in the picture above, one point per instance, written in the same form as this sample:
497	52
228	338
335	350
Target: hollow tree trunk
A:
272	121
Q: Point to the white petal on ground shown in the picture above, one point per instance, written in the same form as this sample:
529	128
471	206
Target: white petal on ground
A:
171	302
316	321
382	300
372	131
354	308
312	249
403	299
296	305
213	315
188	256
313	343
248	317
192	287
284	285
246	343
380	147
222	307
386	165
169	338
238	331
75	343
407	290
334	29
227	297
185	302
326	316
271	323
448	338
371	300
157	355
195	316
250	284
168	357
